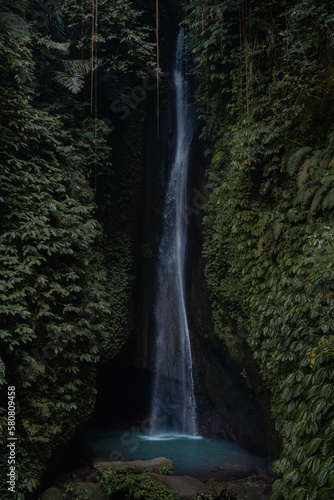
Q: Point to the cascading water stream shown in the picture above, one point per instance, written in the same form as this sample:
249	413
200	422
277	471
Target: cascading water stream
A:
173	428
173	401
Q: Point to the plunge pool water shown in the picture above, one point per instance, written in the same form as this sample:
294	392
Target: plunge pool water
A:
196	456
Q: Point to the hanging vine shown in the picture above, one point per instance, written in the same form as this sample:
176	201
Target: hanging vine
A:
94	64
158	65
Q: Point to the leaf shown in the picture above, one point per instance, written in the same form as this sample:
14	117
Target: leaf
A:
217	156
322	477
292	475
298	493
313	445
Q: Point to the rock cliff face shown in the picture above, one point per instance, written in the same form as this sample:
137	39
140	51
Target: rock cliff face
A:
231	399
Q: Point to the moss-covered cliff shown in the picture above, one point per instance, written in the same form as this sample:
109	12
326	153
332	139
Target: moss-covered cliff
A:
68	231
266	87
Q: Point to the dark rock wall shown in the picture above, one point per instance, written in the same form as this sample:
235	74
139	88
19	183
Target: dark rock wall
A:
231	398
232	401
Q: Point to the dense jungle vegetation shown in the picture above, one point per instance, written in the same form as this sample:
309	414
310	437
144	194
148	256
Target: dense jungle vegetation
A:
66	218
68	221
266	74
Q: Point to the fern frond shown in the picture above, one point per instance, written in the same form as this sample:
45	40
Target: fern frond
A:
328	201
316	202
63	47
303	173
20	5
296	158
327	181
78	66
81	66
12	23
327	154
75	70
331	163
305	194
72	82
62	31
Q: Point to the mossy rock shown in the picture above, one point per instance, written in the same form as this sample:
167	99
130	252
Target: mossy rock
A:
216	488
184	487
246	490
131	484
52	494
85	491
160	465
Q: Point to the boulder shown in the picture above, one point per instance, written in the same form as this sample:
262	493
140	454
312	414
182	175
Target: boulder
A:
185	487
160	465
52	494
216	488
256	487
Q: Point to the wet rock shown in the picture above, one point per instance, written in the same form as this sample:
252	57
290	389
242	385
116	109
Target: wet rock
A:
251	488
116	457
52	494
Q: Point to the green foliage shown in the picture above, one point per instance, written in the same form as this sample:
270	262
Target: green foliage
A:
267	99
122	40
132	485
82	491
64	273
166	469
53	299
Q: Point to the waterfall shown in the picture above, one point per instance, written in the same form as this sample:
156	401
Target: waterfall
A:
173	401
